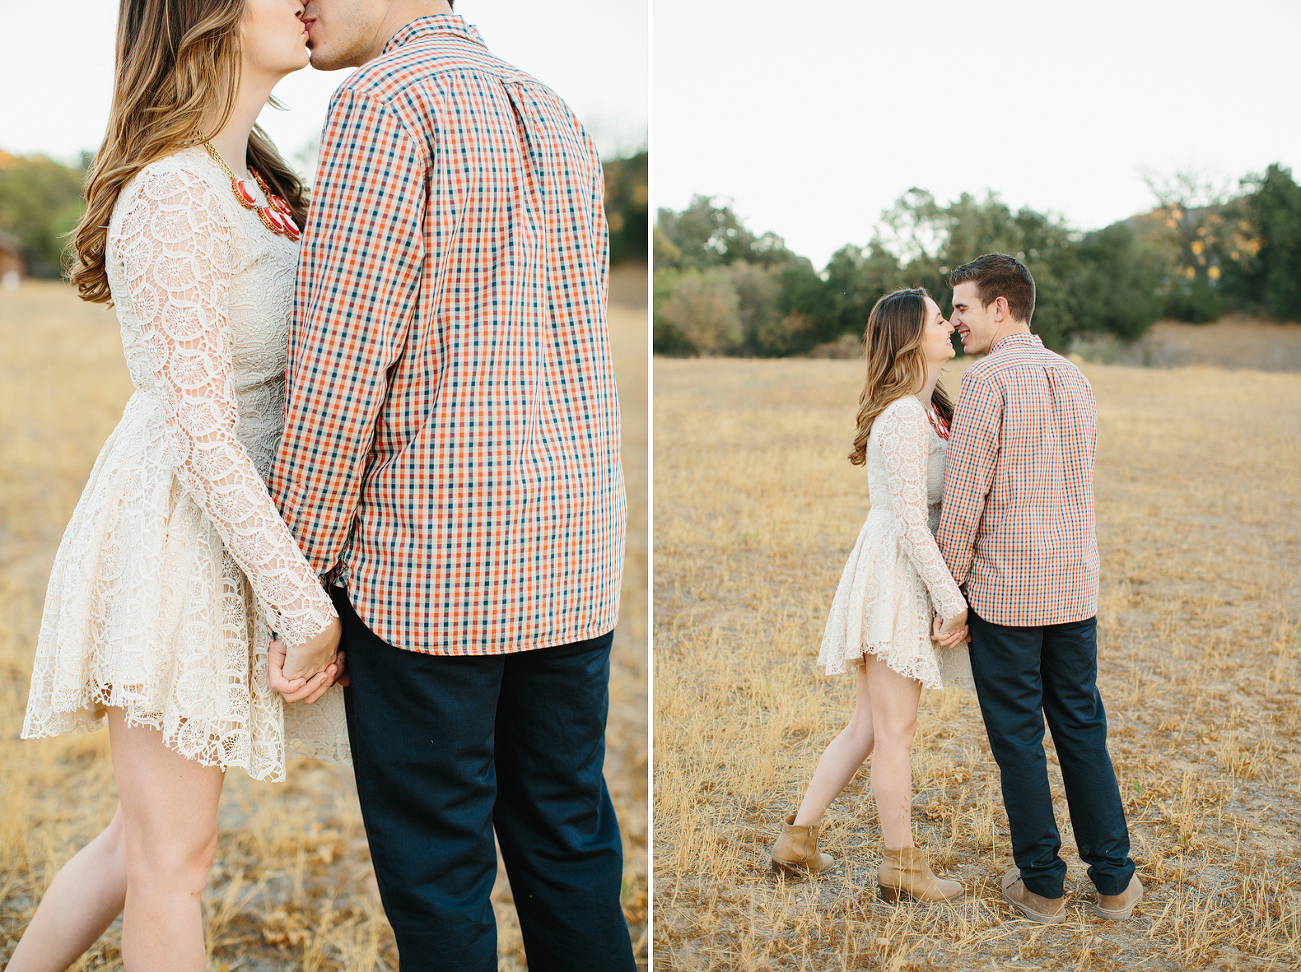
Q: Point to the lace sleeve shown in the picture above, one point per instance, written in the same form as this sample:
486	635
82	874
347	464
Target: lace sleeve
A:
902	436
175	243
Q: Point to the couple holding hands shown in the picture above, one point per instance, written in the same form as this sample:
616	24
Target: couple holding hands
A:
394	444
981	530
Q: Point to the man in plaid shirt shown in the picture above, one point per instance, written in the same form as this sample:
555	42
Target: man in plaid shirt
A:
450	467
1017	531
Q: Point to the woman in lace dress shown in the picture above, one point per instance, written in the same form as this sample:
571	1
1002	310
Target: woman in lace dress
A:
176	565
894	586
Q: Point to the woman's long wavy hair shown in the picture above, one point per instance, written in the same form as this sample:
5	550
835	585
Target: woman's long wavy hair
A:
170	57
896	364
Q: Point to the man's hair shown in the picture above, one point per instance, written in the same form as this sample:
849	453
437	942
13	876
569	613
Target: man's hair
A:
999	275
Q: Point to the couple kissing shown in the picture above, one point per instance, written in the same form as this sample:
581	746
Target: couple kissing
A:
977	567
393	442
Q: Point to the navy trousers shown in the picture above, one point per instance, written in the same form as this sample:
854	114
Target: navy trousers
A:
446	749
1024	675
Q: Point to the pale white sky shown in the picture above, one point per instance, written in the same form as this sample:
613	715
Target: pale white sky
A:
56	70
815	117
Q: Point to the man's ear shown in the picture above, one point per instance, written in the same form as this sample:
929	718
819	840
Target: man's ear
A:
1000	310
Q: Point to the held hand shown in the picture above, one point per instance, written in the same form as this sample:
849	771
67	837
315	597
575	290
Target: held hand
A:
303	672
305	660
950	632
300	689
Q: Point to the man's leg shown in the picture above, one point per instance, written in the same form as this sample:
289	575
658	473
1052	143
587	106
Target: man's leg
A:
421	728
1005	664
1078	723
555	824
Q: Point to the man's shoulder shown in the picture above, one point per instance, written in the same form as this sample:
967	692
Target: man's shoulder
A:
983	374
417	68
980	369
1007	360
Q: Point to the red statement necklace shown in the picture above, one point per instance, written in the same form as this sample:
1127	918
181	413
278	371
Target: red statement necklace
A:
276	216
940	426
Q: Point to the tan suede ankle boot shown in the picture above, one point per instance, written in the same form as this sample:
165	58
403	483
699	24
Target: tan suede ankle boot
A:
797	849
905	872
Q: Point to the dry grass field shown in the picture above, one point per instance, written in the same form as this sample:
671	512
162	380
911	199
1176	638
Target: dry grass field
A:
292	888
1199	521
1234	342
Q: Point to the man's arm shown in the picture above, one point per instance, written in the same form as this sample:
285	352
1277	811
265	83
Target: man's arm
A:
968	473
358	278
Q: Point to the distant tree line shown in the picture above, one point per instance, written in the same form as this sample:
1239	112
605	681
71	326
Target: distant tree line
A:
42	200
721	289
627	207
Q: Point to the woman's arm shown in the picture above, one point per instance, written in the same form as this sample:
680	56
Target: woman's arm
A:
175	243
901	432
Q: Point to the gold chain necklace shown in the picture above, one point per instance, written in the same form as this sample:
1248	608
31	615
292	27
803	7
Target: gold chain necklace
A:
276	216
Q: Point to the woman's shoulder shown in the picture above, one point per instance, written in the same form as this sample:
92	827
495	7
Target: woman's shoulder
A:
184	176
188	171
901	417
904	409
185	179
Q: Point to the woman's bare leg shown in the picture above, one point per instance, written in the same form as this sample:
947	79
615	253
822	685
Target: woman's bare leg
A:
169	815
82	900
841	760
894	699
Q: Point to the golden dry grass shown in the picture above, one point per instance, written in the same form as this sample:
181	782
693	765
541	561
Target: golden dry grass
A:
292	887
1199	522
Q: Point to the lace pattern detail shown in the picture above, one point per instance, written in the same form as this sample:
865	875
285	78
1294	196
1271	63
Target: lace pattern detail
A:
177	265
896	579
906	439
176	562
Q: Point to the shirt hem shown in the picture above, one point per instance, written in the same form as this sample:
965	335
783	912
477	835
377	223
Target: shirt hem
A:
593	630
1014	620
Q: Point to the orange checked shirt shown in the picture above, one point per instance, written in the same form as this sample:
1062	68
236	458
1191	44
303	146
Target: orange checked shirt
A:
1017	527
451	442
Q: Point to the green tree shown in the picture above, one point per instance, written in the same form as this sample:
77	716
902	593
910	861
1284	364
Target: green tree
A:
973	227
802	297
665	338
1191	228
703	311
1115	285
668	255
856	278
929	240
758	290
626	207
1273	263
709	235
704	234
40	203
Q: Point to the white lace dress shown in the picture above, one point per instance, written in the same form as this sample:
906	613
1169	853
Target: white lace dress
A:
176	561
896	579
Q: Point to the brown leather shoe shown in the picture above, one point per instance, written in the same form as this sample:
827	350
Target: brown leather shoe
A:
1046	911
905	872
1119	906
797	849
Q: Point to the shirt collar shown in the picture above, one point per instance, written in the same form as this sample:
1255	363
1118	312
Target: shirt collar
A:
1014	340
431	25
